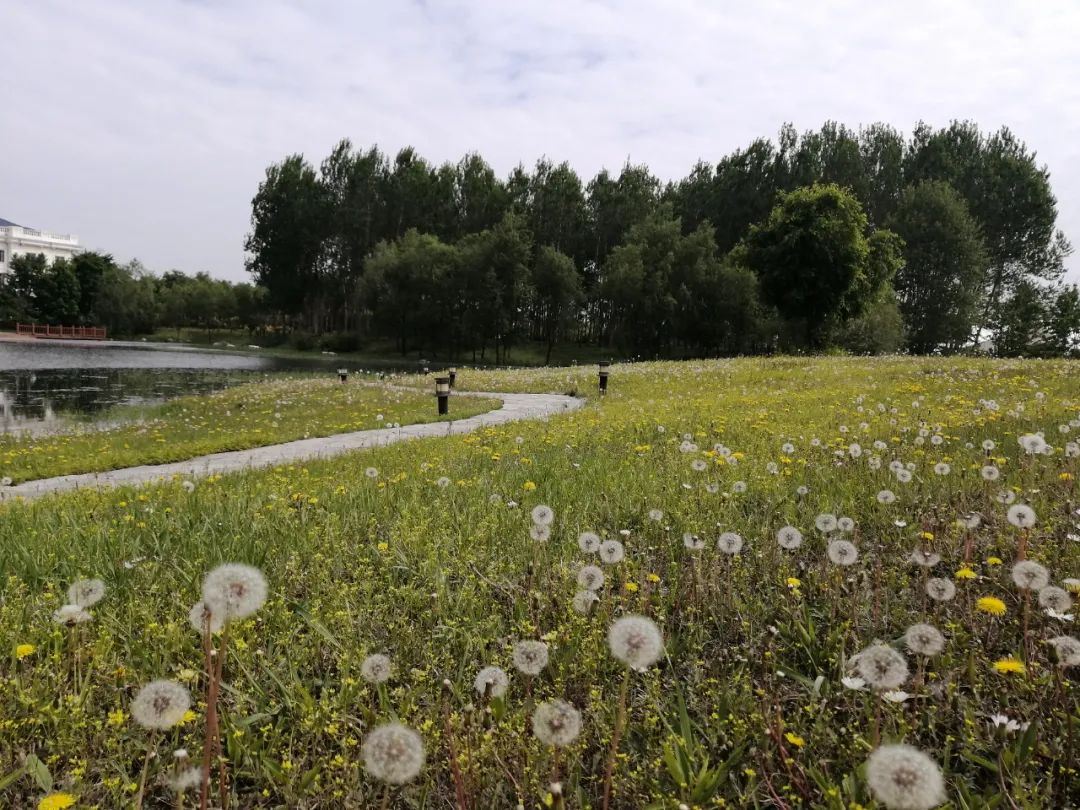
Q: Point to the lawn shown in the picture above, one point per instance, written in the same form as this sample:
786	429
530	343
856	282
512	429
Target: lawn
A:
902	476
237	418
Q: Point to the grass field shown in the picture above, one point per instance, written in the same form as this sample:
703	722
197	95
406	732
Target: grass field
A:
237	418
432	558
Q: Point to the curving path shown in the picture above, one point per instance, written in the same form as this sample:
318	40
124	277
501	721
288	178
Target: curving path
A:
514	407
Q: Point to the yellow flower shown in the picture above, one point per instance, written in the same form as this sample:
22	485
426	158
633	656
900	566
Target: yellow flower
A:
24	650
117	717
965	573
795	739
1009	665
991	605
927	535
56	801
792	582
1065	476
631	586
529	486
652	578
993	560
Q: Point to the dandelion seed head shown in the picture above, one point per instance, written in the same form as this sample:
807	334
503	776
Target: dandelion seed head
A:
591	578
540	533
160	705
1029	575
656	515
1021	515
692	541
583	602
376	668
71	615
530	657
924	639
491	682
589	542
198	616
904	778
825	523
86	592
845	524
1054	598
185	780
729	543
925	559
543	515
556	723
234	591
886	496
393	754
1067	650
789	538
843	552
882	667
636	641
611	552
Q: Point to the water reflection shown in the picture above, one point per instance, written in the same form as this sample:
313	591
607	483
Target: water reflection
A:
42	381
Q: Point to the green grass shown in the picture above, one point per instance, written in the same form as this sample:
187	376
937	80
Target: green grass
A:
432	563
237	418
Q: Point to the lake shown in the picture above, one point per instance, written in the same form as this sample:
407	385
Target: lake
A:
43	380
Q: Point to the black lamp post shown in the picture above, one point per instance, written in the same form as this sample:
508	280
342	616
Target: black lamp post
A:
343	374
453	376
442	393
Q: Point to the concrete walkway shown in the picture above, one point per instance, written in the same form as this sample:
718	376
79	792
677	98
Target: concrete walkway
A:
515	406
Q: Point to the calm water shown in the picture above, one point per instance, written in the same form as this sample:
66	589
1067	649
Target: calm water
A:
42	381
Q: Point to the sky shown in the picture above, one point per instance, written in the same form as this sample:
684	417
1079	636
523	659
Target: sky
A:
145	126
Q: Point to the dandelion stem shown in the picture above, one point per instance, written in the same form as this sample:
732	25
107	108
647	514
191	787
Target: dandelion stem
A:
145	769
616	734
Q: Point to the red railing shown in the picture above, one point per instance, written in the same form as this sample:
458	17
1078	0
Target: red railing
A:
70	332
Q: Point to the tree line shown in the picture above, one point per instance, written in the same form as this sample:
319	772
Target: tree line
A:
863	239
92	289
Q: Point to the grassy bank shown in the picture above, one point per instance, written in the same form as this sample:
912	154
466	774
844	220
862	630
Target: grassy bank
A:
237	418
433	562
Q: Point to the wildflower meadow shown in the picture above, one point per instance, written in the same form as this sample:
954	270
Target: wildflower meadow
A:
786	583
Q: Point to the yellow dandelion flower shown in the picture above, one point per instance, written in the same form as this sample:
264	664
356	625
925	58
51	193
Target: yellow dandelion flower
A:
965	573
1009	665
631	586
56	801
991	605
652	578
792	582
24	650
993	560
926	535
529	486
1065	476
795	739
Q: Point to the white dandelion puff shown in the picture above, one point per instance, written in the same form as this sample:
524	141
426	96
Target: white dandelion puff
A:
940	589
198	616
185	780
738	487
1029	575
540	533
1067	650
924	639
941	468
925	559
825	523
589	542
656	515
376	668
904	778
789	537
371	472
990	473
611	552
636	641
86	592
556	723
71	615
543	515
160	705
1054	598
729	543
393	754
882	667
692	541
1021	515
886	496
591	578
491	682
583	601
530	657
843	552
845	524
234	591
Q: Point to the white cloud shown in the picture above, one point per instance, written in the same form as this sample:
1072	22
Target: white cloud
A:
145	125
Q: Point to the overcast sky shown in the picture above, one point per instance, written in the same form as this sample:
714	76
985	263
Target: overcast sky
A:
145	126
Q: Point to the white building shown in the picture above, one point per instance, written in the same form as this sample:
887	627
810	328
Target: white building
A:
16	240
